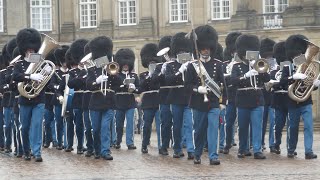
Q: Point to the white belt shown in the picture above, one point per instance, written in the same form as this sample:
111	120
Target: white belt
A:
17	96
122	93
248	88
281	91
80	91
87	91
99	91
51	93
171	87
149	92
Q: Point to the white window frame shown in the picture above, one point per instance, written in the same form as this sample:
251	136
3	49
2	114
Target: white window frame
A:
221	8
127	13
276	21
1	16
88	3
41	7
179	12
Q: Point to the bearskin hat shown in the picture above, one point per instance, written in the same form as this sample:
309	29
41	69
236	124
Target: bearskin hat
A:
11	45
68	58
2	63
125	57
164	42
15	53
179	43
218	54
51	58
227	55
101	46
77	50
231	40
28	38
279	52
246	42
207	37
295	45
5	56
266	47
87	49
148	54
60	53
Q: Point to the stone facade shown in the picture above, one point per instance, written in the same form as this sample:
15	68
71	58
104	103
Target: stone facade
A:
153	22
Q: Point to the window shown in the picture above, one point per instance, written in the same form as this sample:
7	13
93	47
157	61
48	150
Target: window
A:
220	9
88	13
272	10
127	12
41	18
178	11
1	15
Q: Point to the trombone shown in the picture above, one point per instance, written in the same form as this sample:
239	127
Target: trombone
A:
164	52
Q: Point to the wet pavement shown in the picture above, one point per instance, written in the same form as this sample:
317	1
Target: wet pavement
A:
132	164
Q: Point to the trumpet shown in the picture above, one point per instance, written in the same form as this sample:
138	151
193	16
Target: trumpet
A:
256	63
164	52
33	88
111	68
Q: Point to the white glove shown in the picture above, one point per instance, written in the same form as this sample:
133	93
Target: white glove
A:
202	90
250	73
60	98
101	79
316	83
56	86
36	77
149	74
183	67
298	76
163	68
48	69
222	106
132	86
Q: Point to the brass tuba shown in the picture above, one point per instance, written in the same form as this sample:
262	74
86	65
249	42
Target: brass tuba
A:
33	88
301	90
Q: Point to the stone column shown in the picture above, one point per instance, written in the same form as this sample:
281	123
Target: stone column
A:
146	21
67	24
106	9
244	18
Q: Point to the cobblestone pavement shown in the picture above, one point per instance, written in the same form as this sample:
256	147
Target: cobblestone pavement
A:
134	165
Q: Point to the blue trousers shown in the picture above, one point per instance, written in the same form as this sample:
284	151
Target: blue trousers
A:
166	124
206	124
78	119
69	129
101	130
294	119
231	115
8	124
50	126
148	116
1	129
281	116
88	130
121	115
268	113
59	123
222	131
17	132
245	116
181	115
31	117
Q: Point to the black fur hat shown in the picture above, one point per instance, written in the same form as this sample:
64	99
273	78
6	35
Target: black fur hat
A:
207	37
10	46
60	53
246	42
231	40
164	42
279	52
179	43
148	54
5	55
28	38
101	46
227	55
87	49
68	58
218	54
125	57
2	64
51	58
15	53
77	50
266	47
295	46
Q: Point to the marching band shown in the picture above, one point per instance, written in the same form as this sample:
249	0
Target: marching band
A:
193	88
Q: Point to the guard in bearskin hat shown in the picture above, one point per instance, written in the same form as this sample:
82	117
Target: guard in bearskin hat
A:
249	97
231	110
125	100
165	112
31	109
103	100
77	82
178	98
49	123
206	112
266	52
57	85
149	90
296	45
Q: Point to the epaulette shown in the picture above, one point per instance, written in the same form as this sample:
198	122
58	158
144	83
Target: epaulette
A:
217	60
